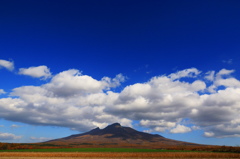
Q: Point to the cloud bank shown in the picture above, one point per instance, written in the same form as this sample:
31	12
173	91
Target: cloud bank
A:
210	101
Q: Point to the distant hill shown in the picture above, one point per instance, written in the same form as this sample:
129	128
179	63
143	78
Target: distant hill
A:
116	135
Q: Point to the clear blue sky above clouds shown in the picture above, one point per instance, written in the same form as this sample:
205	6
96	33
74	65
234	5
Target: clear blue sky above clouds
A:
162	66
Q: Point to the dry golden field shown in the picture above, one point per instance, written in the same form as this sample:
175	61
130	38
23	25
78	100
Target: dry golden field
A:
114	155
98	158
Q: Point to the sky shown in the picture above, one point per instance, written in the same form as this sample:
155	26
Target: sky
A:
165	67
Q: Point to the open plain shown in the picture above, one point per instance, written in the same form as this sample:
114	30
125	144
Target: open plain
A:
115	155
103	158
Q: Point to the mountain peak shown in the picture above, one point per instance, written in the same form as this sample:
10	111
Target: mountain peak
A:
117	135
115	125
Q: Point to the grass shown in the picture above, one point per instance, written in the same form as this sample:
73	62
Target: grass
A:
92	150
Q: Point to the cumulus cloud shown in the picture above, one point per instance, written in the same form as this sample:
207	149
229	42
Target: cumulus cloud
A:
115	81
72	83
224	72
191	72
70	99
180	129
222	78
157	125
208	134
2	91
160	98
7	64
9	136
210	75
81	102
36	72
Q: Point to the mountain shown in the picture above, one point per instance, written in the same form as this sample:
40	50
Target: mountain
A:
116	135
118	131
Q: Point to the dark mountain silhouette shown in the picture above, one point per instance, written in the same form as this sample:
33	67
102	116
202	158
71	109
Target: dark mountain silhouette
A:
118	131
116	135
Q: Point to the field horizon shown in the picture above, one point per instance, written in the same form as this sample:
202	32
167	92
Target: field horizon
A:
114	138
111	155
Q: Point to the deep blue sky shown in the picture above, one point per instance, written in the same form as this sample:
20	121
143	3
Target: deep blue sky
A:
121	35
139	39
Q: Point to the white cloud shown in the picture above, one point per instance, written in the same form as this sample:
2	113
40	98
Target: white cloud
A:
7	64
210	75
223	130
167	101
222	78
36	72
9	136
1	125
2	91
229	82
208	134
180	129
72	83
70	99
157	125
191	72
224	72
158	99
81	102
115	81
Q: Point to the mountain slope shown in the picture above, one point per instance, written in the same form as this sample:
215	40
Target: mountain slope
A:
117	131
116	135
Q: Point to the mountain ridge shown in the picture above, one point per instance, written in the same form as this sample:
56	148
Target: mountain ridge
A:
117	131
115	135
